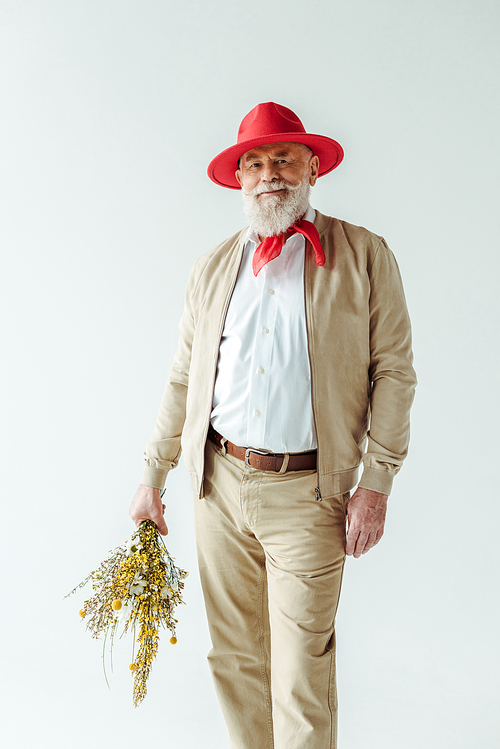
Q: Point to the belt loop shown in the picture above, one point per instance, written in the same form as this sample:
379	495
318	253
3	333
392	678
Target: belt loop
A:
223	449
283	468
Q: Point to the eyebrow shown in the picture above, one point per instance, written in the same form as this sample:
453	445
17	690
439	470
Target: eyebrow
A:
253	156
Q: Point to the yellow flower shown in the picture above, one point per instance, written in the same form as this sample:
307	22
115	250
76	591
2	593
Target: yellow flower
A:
82	613
132	667
116	605
173	640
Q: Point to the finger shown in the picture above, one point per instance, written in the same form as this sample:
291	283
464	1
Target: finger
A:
369	543
352	537
378	536
373	539
360	544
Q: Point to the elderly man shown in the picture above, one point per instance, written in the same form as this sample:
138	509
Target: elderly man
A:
294	366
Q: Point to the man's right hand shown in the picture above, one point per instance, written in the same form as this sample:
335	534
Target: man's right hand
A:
147	505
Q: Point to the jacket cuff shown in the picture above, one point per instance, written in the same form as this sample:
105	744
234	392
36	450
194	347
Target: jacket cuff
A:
153	476
376	480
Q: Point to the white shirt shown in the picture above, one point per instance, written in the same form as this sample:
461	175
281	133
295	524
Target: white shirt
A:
262	393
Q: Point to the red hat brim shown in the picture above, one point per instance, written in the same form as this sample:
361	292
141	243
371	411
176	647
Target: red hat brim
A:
222	168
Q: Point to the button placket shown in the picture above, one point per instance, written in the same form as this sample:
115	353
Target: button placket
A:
261	360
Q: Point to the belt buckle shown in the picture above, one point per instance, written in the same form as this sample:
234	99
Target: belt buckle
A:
253	450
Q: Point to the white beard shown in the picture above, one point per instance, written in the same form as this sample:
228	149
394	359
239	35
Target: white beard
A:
273	215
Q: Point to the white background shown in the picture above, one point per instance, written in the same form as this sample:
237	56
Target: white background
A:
111	111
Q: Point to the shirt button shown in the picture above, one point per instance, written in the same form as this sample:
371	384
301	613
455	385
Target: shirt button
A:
257	413
265	330
271	291
261	370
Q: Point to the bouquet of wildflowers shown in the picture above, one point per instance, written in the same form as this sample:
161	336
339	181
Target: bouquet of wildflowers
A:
137	586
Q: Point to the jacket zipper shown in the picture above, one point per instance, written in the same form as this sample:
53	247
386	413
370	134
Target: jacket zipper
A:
317	493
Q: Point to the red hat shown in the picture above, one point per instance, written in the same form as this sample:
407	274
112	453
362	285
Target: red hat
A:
272	123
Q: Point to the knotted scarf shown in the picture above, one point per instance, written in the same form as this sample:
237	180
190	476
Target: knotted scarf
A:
271	247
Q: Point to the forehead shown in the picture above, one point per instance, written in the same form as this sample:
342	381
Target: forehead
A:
272	151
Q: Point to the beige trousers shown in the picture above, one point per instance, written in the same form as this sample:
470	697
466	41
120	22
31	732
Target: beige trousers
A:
271	559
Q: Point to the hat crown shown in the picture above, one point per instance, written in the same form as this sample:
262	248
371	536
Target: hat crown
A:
269	119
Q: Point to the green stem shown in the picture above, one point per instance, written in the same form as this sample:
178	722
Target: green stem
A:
104	659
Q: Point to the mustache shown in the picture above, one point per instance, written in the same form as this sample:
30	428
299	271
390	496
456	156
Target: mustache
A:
272	186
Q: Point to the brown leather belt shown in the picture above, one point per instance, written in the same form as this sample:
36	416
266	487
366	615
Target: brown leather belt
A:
264	461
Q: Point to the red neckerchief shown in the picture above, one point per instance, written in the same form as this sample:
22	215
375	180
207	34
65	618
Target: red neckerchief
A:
271	247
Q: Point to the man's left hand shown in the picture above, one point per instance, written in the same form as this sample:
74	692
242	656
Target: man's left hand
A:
366	518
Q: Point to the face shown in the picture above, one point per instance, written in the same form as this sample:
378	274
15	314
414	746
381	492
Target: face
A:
276	179
276	162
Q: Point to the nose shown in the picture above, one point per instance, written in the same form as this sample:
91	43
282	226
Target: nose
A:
269	172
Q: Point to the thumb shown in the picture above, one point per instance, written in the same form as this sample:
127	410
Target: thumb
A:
161	524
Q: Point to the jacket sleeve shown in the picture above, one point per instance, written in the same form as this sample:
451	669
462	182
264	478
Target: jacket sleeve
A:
162	453
391	372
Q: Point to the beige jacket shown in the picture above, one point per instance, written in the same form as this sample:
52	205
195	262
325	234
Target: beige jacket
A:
359	338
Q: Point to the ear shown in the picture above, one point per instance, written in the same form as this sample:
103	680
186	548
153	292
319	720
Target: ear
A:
313	170
239	176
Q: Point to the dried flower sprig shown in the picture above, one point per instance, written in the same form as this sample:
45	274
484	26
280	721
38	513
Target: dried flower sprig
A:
139	586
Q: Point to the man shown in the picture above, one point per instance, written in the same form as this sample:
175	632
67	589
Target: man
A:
294	353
